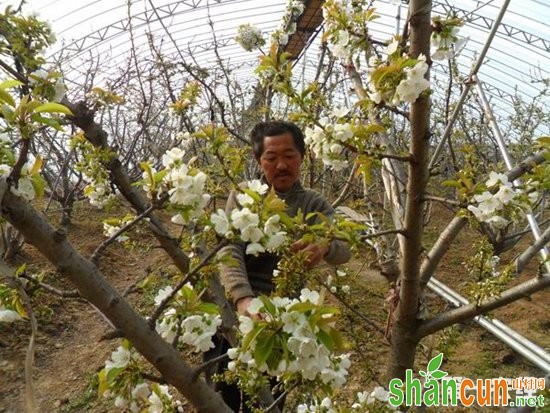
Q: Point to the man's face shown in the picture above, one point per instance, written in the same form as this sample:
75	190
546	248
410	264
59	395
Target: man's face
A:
280	161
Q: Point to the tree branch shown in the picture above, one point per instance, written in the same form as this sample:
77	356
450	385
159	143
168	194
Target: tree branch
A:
99	250
469	311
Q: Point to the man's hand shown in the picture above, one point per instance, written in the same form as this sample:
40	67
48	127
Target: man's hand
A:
314	252
242	305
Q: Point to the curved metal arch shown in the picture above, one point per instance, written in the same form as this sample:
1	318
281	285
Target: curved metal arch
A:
486	23
533	42
144	18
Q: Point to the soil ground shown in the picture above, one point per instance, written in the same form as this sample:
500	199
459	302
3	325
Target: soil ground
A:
69	349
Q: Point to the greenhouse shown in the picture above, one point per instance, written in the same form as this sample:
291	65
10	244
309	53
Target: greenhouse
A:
329	206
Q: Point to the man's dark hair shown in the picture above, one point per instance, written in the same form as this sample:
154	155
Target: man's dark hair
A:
275	128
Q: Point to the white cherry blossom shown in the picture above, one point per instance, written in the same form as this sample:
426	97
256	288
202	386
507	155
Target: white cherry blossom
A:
220	221
141	391
308	295
254	248
272	224
245	199
496	178
251	233
257	186
162	294
245	324
275	241
172	157
119	358
243	218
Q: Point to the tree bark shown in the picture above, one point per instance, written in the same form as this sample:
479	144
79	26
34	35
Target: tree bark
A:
403	337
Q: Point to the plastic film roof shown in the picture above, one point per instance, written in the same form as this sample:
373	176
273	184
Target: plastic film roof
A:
188	30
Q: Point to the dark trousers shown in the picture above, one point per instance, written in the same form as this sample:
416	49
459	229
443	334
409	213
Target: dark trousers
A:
231	394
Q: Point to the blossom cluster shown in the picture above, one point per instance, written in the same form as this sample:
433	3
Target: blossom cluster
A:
97	189
344	22
247	224
403	86
99	193
293	328
51	82
188	97
110	230
394	79
327	140
185	185
444	40
249	37
181	323
112	225
507	200
379	395
132	393
335	286
287	27
154	397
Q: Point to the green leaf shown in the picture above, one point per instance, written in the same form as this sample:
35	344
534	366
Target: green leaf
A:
37	165
208	308
103	385
113	374
147	169
434	363
7	84
452	183
375	128
337	338
326	339
423	374
302	307
21	269
263	349
52	107
269	306
6	97
250	337
38	184
53	123
32	105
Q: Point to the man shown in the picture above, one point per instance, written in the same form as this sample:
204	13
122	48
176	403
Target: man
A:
279	149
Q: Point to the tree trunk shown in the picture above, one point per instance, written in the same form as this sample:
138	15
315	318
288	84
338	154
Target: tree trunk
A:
403	341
